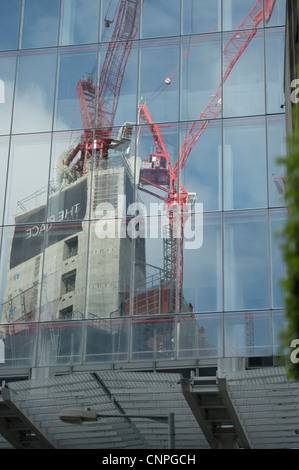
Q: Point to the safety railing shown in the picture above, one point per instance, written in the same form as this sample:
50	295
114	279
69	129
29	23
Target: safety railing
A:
140	338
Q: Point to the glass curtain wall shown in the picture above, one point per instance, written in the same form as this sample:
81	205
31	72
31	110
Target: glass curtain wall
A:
139	144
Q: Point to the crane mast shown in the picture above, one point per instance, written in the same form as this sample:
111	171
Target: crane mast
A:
98	103
160	174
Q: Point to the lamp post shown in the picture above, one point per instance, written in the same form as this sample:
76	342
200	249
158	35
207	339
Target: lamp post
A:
75	416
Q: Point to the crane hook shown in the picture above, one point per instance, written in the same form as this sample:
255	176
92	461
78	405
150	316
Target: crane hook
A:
108	22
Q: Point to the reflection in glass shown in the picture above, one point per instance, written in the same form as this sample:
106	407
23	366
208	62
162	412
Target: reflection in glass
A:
33	109
7	76
79	21
276	135
244	164
64	271
4	143
234	12
60	344
160	18
27	185
109	263
124	94
278	14
246	261
160	95
201	76
40	23
20	342
9	23
69	190
248	334
202	172
279	325
107	340
200	16
243	90
200	336
153	337
74	64
277	224
21	268
203	266
275	56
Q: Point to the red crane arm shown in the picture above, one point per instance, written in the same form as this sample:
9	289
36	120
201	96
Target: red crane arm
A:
161	151
98	103
101	101
115	61
231	53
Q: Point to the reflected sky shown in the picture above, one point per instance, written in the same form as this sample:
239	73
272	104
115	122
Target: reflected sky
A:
230	168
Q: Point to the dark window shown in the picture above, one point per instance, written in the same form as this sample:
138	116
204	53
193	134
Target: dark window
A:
66	313
68	282
71	248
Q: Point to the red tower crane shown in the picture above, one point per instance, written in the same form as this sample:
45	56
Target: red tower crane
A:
98	103
160	174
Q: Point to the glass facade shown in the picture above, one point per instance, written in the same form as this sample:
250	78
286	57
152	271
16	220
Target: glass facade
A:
106	133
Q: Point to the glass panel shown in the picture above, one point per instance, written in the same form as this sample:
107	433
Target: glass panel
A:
40	23
275	47
108	282
19	345
106	341
279	325
7	78
60	343
203	265
200	16
118	84
160	18
243	90
200	336
74	64
156	292
201	77
79	21
21	263
248	334
9	23
33	111
120	20
69	188
4	143
244	164
277	225
276	135
153	337
275	12
236	12
246	261
202	176
160	95
28	179
64	271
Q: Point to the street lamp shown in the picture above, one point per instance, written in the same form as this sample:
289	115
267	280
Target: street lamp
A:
75	416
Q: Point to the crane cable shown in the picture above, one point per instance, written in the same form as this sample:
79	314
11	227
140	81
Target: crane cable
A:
106	21
167	80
